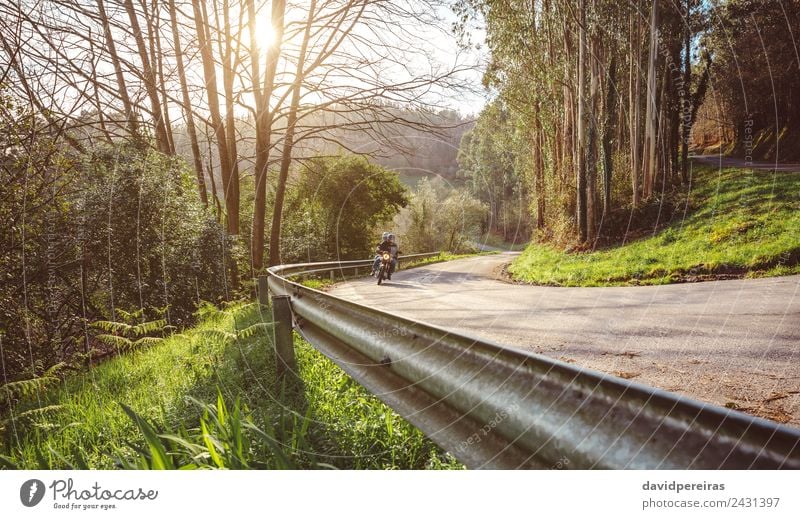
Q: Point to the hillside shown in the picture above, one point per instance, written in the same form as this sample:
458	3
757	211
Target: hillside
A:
738	223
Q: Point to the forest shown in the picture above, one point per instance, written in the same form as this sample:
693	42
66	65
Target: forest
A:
599	104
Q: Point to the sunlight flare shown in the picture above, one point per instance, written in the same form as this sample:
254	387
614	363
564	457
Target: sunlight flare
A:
265	34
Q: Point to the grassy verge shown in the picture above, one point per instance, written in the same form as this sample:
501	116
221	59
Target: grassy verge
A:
743	223
328	420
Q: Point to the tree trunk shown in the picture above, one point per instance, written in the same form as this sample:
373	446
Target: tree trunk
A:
187	106
568	157
153	21
149	78
662	168
651	114
634	85
609	129
229	60
288	143
591	141
581	123
210	76
130	115
264	117
155	45
537	160
210	166
686	95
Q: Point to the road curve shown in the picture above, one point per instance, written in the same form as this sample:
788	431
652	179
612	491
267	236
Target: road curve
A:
734	343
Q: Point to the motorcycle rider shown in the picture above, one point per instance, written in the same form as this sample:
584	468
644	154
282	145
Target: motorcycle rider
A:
384	246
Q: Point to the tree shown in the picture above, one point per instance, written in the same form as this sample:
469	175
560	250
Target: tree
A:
438	218
347	219
569	125
754	84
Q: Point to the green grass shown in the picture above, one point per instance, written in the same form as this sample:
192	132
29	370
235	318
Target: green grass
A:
252	421
743	223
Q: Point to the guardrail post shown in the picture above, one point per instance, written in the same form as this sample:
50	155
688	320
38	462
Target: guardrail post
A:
284	348
263	291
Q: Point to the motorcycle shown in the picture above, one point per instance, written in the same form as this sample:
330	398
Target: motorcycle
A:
386	265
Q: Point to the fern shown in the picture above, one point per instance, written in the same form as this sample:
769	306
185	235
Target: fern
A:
30	386
251	330
22	388
119	328
218	335
149	327
147	341
207	311
116	341
130	316
126	336
37	412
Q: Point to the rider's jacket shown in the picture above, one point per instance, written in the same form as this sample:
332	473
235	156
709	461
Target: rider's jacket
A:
385	246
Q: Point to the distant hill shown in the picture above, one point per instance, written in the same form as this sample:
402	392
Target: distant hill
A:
415	144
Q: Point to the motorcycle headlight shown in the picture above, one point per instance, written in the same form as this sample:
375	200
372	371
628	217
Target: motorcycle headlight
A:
386	257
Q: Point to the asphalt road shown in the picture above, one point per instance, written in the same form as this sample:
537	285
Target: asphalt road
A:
734	343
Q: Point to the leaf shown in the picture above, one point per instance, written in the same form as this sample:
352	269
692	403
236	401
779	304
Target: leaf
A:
210	445
216	335
38	411
26	387
7	463
53	370
251	330
387	417
274	447
193	448
221	409
159	458
113	327
149	327
118	342
147	341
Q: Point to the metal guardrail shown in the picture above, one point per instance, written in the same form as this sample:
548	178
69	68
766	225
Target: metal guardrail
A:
493	406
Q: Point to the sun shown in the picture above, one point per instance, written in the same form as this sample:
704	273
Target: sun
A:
265	33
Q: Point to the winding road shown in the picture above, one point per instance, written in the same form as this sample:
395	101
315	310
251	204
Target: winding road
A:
734	343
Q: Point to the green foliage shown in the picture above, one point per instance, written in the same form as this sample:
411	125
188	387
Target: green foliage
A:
336	207
755	77
31	386
441	219
490	159
326	421
356	430
37	243
746	224
130	335
223	440
84	234
140	212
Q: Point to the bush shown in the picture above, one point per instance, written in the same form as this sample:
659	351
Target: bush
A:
337	207
440	220
84	234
